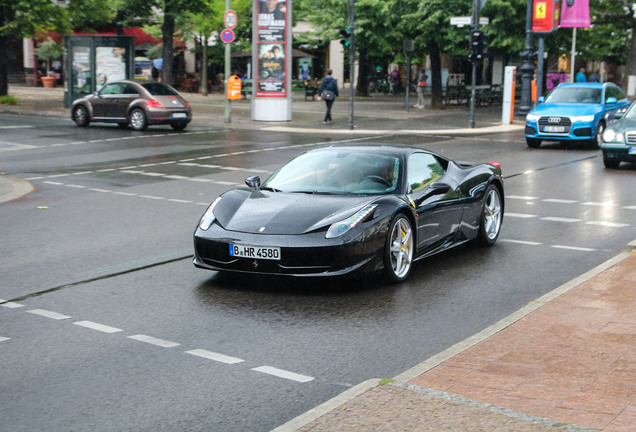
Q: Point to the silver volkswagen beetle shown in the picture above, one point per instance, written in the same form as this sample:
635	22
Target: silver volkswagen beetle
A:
138	104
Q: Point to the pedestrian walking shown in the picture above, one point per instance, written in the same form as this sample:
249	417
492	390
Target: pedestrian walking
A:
329	92
421	86
580	76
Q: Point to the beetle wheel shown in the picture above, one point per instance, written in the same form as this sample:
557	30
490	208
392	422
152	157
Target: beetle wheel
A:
138	120
80	116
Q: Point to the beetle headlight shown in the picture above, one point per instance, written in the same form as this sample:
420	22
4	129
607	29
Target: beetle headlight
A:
339	228
208	217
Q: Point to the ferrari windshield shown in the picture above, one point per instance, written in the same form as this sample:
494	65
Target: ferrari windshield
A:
575	95
338	171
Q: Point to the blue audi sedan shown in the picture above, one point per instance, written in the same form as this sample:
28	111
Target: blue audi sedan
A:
578	112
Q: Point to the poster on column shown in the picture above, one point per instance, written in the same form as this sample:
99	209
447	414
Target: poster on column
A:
272	42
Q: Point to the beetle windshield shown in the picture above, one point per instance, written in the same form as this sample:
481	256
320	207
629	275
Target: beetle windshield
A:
339	172
575	95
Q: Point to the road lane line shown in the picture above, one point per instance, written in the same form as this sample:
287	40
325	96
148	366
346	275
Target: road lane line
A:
573	248
608	224
48	314
10	304
153	341
520	215
519	197
523	242
559	201
283	374
97	326
215	356
2	338
560	219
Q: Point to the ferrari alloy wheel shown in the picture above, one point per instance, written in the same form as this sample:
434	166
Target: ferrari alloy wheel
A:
80	116
398	255
138	120
491	217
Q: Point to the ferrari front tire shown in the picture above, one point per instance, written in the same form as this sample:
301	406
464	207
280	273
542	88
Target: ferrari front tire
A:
491	217
398	249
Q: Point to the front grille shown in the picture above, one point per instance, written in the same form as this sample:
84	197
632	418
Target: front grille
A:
554	121
630	137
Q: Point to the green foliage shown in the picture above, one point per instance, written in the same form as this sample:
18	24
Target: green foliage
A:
8	100
49	50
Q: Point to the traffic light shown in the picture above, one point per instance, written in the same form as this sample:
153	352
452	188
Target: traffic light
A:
478	45
346	37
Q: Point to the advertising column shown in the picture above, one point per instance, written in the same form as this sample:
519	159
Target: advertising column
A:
271	57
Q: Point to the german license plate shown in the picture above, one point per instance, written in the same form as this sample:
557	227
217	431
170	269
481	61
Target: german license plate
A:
179	115
554	129
632	151
258	252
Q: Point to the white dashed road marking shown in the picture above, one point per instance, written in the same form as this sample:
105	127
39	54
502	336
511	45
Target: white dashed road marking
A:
154	341
97	326
48	314
10	305
283	374
214	356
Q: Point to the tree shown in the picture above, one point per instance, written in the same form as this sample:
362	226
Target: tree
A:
24	18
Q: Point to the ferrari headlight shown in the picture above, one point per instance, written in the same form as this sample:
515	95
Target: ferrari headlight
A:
532	117
208	217
586	118
339	228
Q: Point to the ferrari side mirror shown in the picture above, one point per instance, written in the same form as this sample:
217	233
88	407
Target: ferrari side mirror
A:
253	182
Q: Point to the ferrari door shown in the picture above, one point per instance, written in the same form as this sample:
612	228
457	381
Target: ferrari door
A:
438	205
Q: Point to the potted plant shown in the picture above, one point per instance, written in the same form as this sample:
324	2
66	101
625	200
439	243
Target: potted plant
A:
48	50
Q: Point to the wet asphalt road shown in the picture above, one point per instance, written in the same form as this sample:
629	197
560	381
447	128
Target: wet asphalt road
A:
111	327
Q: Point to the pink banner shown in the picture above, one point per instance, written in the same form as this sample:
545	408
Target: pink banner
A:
575	13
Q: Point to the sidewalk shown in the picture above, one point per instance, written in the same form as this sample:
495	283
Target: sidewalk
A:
565	362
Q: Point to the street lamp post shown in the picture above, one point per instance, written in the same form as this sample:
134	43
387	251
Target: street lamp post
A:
527	69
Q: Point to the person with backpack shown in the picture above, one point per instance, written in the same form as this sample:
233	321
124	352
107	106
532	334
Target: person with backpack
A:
329	92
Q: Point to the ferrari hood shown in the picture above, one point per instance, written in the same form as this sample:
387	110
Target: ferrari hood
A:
264	212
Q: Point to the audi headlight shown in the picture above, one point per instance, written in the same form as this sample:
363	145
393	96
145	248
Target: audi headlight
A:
208	217
585	118
532	117
339	228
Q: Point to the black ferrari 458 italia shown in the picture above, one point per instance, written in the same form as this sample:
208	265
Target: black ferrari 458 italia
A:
349	208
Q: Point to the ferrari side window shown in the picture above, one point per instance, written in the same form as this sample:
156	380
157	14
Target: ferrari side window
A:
424	169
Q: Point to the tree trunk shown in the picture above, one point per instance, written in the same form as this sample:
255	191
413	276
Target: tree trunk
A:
631	61
204	65
4	79
364	70
167	29
436	76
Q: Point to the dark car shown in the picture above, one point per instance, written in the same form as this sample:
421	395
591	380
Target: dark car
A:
619	139
138	104
347	208
577	112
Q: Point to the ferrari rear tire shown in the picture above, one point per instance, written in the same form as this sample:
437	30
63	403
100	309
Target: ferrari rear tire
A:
398	249
138	120
491	217
80	116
